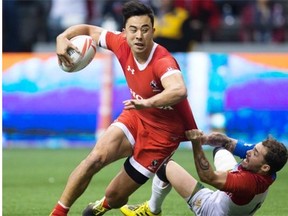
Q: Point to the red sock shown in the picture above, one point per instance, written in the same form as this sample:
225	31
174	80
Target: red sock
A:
59	210
105	204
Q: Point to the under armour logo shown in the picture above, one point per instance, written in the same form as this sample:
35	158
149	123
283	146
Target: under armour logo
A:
153	166
131	70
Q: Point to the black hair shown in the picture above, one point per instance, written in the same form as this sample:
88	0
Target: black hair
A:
136	8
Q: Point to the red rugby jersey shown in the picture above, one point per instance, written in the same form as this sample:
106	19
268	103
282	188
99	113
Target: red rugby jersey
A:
242	186
144	81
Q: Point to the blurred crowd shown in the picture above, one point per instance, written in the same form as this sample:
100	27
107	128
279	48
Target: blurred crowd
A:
179	23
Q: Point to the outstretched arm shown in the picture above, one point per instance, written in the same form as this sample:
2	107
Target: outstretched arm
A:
236	147
221	140
205	171
174	92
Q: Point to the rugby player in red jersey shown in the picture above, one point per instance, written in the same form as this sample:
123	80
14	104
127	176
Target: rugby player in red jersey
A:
242	187
153	121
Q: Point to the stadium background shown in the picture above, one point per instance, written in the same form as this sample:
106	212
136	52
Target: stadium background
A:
51	119
236	84
242	94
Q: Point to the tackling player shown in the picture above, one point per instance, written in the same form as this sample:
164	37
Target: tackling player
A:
153	122
242	187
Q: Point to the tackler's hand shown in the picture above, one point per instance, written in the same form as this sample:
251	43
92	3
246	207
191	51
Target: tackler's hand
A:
196	135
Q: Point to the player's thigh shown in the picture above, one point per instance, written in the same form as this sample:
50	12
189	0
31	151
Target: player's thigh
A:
113	145
180	179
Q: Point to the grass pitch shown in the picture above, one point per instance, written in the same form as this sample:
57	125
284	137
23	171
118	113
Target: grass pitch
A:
33	180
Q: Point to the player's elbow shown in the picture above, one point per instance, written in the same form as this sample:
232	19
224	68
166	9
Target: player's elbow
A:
184	93
212	181
181	92
206	179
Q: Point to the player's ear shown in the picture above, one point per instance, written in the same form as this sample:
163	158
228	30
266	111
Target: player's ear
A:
124	32
265	168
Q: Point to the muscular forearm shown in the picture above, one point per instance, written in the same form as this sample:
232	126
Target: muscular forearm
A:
172	94
174	91
203	167
162	101
221	140
75	30
205	172
168	97
63	43
82	29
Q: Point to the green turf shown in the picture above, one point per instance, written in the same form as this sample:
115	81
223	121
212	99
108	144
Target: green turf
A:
33	180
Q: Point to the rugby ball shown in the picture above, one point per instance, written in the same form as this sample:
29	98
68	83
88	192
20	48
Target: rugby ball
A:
87	48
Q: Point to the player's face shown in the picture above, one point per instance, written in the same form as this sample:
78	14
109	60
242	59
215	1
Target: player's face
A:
254	160
139	34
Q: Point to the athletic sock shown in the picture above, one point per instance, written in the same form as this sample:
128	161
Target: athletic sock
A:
160	190
60	210
105	203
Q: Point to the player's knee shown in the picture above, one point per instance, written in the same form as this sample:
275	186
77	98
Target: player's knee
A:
115	199
161	173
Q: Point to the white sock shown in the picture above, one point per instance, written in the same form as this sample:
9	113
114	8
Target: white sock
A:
160	190
224	160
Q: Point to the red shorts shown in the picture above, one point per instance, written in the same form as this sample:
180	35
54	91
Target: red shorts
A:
152	147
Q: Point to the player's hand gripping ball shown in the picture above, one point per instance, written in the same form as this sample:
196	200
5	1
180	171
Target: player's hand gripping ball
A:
87	48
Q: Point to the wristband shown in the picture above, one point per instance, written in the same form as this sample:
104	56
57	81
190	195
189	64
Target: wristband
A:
241	148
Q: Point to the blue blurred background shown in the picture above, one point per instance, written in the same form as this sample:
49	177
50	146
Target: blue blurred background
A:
235	67
242	94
